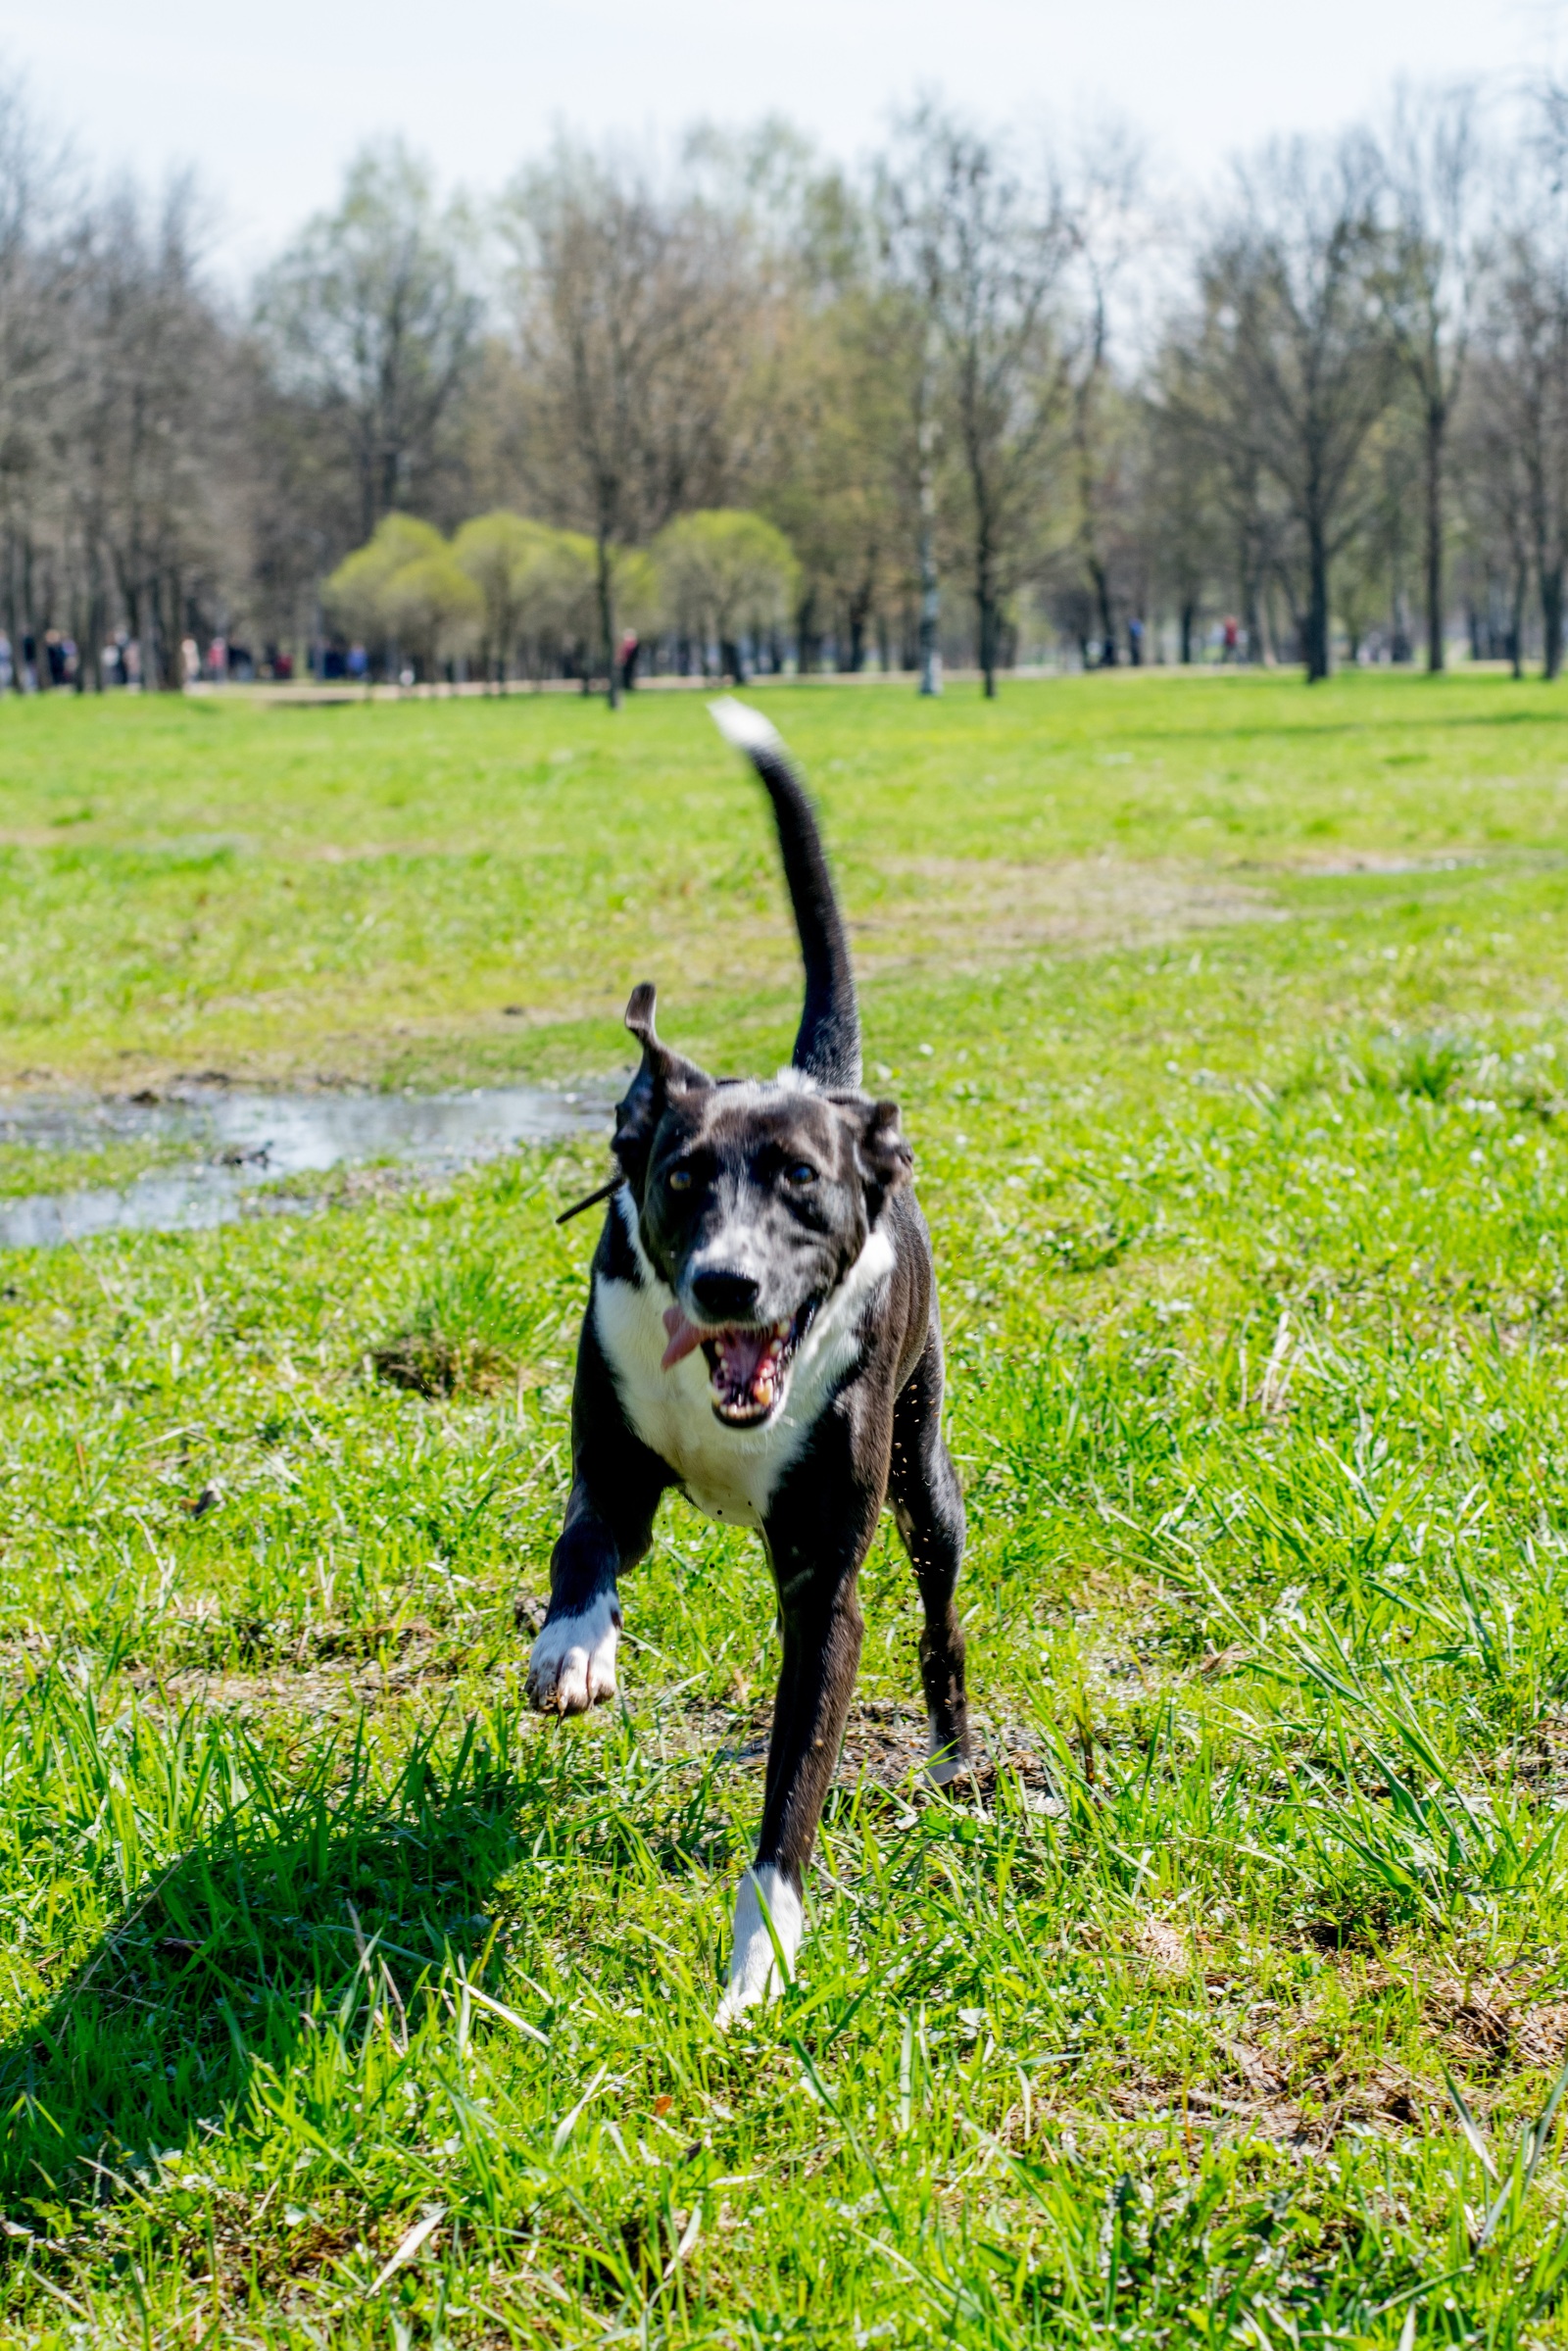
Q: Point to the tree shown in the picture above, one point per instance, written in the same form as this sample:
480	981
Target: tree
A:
1101	226
1527	381
151	417
1496	489
723	576
1184	505
503	555
433	608
1205	429
368	323
630	309
1289	291
983	253
405	590
1428	283
36	272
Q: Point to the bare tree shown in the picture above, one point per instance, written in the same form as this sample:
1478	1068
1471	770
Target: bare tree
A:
1525	381
35	276
369	323
1429	281
630	308
1288	288
1102	227
152	417
985	252
1209	436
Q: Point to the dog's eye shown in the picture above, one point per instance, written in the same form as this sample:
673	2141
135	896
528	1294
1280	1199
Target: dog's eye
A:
802	1173
680	1179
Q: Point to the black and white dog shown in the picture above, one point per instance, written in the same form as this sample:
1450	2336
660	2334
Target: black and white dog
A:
763	1333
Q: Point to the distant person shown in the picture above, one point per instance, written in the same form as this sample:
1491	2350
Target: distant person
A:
190	660
357	663
1135	641
1232	637
630	647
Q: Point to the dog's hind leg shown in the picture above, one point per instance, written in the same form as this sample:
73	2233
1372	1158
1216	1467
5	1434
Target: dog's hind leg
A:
616	1486
923	1489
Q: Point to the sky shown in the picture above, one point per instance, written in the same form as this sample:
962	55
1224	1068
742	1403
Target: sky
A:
268	104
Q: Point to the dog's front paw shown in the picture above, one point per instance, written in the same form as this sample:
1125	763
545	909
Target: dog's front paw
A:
572	1665
754	1967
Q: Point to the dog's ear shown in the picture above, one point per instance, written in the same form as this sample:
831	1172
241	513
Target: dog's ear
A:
663	1077
882	1153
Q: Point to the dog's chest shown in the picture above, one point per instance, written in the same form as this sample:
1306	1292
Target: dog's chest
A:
730	1474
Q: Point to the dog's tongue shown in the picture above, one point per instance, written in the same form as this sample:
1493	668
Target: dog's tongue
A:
683	1337
746	1358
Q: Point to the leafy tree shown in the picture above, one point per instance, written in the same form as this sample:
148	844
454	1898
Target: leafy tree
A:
725	575
406	591
503	554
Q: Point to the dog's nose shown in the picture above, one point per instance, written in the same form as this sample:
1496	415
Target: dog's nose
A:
724	1295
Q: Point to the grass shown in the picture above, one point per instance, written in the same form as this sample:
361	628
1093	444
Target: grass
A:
1229	1022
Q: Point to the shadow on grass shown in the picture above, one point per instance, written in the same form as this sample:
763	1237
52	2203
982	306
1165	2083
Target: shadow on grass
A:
223	1960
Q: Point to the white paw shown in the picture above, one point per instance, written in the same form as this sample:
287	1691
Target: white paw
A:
572	1665
753	1973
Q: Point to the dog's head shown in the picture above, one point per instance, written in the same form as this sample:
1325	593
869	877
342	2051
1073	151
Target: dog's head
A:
754	1199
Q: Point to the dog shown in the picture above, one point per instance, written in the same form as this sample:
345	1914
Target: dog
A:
763	1334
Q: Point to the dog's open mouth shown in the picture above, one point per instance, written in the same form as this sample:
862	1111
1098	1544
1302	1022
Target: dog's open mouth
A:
746	1369
748	1364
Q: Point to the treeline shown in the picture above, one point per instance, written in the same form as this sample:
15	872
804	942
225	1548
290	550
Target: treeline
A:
972	404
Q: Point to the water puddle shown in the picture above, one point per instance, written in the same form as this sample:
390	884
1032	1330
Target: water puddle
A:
240	1142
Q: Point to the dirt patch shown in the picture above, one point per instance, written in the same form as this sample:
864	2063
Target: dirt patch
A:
1078	903
430	1365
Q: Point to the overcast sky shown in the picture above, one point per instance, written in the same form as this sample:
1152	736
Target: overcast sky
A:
269	103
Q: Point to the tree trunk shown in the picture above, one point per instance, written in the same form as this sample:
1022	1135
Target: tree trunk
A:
808	643
34	621
14	615
1187	616
860	613
172	677
985	597
1317	608
930	587
1551	618
607	621
988	642
1436	647
1107	619
1516	634
147	631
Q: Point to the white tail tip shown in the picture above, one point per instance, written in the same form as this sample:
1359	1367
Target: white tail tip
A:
742	726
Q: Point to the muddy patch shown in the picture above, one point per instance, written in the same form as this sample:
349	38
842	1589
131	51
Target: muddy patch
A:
240	1142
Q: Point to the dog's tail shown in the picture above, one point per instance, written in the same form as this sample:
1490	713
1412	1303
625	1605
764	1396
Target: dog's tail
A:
828	1046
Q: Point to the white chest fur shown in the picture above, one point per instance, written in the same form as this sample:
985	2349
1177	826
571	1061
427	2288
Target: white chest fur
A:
728	1473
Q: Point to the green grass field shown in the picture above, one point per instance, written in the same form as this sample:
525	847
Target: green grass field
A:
343	2001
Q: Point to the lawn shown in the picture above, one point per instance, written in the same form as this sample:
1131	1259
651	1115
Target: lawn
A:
345	2001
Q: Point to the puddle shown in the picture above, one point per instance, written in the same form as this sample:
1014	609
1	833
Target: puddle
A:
240	1141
